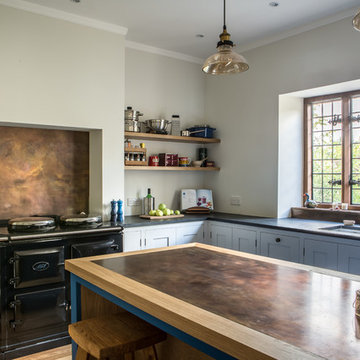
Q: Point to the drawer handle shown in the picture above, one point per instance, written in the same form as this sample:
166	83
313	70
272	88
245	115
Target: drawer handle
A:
277	240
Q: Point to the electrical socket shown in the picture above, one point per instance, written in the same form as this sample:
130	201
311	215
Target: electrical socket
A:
134	202
235	200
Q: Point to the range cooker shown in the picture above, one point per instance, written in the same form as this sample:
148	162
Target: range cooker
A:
35	289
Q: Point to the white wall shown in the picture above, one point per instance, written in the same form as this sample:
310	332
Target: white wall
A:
245	108
55	73
161	86
291	145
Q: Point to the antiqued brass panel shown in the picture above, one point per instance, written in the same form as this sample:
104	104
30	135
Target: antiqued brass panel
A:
43	171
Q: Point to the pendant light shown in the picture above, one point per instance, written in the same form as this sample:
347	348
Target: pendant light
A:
225	61
356	21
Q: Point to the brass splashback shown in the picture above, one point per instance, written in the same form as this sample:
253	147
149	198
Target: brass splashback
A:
43	171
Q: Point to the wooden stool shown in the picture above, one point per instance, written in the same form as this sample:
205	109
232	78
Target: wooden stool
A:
114	336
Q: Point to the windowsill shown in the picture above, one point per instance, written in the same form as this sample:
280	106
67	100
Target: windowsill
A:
325	214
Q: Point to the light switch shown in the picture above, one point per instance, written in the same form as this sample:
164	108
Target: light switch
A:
236	200
133	202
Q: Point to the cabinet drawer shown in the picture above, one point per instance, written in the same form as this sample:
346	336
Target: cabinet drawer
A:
280	246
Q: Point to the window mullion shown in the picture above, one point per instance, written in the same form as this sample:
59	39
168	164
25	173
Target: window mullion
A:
346	158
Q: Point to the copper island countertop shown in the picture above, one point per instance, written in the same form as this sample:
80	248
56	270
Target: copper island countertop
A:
236	301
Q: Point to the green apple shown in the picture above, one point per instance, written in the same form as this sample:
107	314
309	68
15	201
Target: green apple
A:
171	212
167	212
162	207
159	213
152	212
177	212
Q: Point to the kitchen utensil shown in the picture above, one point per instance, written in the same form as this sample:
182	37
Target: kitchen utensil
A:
184	161
188	133
132	122
132	125
204	131
202	155
198	163
131	114
157	124
175	125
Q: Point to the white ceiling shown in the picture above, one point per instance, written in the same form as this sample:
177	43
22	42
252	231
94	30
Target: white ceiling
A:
172	25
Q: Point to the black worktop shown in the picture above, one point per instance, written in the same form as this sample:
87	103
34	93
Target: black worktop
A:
290	224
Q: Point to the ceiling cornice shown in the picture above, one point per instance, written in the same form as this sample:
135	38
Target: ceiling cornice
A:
158	51
301	29
62	15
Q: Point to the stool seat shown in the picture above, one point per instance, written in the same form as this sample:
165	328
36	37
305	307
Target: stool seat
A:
115	335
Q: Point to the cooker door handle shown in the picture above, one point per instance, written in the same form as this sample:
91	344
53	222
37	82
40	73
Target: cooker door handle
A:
14	304
14	281
15	323
66	305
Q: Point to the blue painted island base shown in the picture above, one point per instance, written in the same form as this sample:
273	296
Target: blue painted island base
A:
89	300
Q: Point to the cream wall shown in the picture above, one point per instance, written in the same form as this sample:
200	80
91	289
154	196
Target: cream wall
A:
54	73
248	115
161	86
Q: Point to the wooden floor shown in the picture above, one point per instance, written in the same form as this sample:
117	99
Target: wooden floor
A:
59	353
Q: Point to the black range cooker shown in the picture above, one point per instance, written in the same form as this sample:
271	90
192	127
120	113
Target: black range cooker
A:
35	289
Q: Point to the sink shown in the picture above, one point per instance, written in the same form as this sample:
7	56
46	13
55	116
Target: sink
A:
346	229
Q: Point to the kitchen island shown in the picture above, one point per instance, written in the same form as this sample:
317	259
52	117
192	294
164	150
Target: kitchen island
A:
228	304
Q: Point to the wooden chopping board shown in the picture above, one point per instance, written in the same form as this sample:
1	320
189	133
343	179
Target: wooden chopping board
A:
149	217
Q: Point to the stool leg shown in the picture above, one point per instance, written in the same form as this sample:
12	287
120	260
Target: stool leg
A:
81	354
155	353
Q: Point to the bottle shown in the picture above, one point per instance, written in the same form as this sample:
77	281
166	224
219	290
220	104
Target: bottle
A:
149	202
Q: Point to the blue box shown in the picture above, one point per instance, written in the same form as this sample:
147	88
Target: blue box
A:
202	131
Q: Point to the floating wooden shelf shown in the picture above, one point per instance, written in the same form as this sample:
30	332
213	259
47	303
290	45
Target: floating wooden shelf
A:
171	168
172	138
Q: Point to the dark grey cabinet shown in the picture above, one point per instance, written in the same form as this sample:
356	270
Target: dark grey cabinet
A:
280	246
321	253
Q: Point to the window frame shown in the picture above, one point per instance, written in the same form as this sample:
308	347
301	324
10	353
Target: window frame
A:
346	143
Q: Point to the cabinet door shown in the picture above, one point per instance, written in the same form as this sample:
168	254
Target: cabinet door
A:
220	236
157	238
280	246
132	240
321	253
244	240
349	259
187	233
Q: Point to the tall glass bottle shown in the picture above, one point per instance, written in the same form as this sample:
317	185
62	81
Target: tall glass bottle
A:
149	202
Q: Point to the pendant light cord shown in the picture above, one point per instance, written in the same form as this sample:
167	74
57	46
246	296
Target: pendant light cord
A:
224	26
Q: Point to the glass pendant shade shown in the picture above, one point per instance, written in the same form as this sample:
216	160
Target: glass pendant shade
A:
225	61
356	21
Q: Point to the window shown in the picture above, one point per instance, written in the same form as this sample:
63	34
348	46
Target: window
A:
332	148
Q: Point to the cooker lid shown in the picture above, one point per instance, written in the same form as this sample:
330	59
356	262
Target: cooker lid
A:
31	223
80	219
